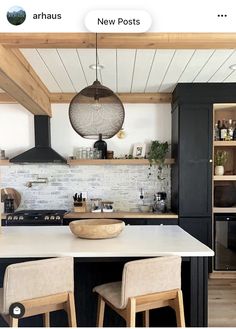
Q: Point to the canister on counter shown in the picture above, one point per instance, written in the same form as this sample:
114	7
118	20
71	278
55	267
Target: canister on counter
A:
107	206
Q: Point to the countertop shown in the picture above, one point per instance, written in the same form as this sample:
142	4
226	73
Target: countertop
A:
134	241
120	214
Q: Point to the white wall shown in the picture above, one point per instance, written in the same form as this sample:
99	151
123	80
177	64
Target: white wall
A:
16	129
143	123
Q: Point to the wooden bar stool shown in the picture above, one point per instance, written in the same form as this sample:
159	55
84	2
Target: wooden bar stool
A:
146	284
41	286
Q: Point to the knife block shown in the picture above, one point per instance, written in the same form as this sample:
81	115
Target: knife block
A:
80	206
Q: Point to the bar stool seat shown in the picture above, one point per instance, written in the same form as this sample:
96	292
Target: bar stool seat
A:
41	287
111	292
146	284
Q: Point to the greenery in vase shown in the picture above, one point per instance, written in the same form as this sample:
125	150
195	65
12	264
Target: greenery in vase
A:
220	158
157	155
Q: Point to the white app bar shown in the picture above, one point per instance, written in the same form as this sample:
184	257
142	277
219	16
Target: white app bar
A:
161	15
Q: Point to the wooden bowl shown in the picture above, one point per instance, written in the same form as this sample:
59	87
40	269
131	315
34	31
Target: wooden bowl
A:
97	228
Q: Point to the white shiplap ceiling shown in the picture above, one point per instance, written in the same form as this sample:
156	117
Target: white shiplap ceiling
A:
130	70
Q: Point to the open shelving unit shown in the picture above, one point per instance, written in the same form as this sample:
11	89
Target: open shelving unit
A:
228	180
224	195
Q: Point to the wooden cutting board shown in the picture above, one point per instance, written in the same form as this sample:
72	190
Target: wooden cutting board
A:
14	194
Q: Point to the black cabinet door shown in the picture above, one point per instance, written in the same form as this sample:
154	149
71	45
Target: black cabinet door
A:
134	221
199	228
151	221
162	221
195	160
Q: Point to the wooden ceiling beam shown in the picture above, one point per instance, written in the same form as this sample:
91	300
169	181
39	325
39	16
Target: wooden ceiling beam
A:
18	80
6	99
30	69
120	40
152	98
65	98
145	97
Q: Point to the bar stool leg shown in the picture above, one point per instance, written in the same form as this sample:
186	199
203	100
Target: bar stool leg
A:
13	322
178	306
71	310
46	319
146	319
100	312
180	309
131	313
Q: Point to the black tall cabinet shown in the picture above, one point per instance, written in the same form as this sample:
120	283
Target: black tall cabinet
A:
192	140
194	152
192	173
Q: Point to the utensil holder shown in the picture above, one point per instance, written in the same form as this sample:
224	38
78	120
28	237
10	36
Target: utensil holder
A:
8	205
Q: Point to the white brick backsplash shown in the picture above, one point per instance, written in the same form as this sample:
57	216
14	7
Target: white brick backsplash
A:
120	184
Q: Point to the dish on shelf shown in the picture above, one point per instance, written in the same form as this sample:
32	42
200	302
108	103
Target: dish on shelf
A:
97	228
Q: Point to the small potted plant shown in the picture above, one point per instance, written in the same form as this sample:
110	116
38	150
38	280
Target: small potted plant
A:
220	160
157	155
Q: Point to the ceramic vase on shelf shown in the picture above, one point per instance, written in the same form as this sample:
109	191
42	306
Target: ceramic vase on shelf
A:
219	170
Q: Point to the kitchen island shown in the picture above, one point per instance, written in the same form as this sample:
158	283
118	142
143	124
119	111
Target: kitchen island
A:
100	261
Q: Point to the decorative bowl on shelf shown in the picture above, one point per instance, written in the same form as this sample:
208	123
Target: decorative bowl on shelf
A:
97	228
145	208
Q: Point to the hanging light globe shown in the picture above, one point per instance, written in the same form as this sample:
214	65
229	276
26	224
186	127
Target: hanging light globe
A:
96	110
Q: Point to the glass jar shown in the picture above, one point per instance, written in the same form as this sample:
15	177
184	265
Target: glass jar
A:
91	153
78	153
84	153
98	154
107	206
96	205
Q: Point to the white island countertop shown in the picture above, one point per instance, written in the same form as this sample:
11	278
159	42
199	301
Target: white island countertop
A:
134	241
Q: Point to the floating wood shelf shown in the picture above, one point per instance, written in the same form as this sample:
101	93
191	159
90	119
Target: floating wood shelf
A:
103	162
224	177
81	162
224	143
4	162
224	210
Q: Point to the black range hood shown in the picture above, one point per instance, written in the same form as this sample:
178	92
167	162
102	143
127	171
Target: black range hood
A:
42	152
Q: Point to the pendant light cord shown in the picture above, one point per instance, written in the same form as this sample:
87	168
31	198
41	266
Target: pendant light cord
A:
96	56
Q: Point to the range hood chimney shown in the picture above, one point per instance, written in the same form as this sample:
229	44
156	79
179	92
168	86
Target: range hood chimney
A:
42	152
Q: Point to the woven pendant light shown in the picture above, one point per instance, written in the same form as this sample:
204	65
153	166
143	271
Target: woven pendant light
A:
96	110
